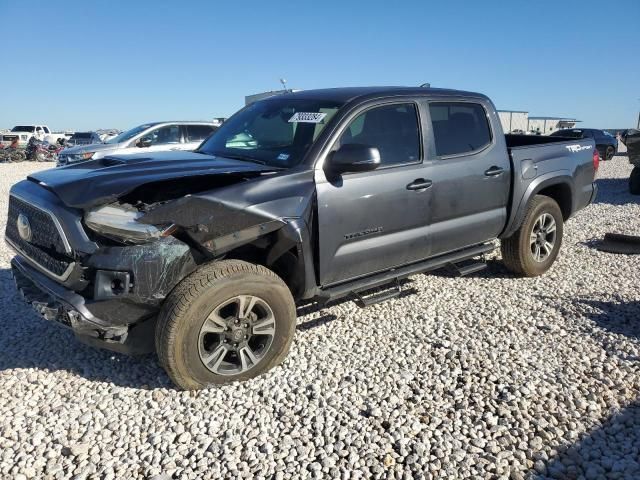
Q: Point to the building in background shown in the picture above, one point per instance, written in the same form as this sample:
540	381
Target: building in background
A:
547	125
516	121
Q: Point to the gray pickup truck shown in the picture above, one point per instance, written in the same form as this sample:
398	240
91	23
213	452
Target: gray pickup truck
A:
302	197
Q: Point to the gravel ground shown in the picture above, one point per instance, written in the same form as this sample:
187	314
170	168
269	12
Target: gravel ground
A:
484	377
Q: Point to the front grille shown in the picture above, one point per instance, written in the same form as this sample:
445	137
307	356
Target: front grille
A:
46	247
9	138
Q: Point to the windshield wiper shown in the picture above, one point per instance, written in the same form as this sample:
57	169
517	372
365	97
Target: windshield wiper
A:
237	156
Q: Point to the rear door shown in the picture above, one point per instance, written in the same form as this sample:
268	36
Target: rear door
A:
373	221
195	134
471	174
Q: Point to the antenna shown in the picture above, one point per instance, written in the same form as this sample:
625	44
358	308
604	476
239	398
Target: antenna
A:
283	81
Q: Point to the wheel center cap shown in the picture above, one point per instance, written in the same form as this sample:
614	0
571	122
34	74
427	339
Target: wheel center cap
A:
237	334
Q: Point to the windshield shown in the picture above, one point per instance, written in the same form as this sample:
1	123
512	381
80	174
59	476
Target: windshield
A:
23	128
277	132
129	134
81	135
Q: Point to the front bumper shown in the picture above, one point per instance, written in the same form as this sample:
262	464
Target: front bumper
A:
66	307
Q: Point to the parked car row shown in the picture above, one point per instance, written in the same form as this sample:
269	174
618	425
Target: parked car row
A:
24	133
145	138
606	143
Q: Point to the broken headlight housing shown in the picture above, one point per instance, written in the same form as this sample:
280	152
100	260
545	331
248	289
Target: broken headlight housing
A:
121	223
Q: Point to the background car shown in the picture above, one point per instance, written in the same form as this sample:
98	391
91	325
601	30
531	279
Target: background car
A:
83	138
606	143
149	137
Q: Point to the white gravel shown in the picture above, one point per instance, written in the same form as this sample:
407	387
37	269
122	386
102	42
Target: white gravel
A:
484	377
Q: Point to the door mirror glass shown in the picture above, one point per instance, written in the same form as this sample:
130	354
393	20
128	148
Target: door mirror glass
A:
354	157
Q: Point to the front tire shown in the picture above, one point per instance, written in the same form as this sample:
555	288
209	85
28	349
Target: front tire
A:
228	321
533	248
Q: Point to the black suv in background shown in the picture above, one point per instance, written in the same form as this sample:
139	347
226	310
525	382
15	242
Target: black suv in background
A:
606	143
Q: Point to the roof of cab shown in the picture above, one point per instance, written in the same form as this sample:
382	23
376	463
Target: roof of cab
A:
346	94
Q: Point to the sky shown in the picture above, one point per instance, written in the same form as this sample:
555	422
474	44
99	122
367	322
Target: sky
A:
115	64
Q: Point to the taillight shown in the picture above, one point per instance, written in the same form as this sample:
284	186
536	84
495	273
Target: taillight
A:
596	159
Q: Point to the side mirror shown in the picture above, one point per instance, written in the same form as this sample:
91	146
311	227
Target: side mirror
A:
354	157
144	142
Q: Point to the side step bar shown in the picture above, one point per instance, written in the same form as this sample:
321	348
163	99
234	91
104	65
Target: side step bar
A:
464	269
379	279
362	300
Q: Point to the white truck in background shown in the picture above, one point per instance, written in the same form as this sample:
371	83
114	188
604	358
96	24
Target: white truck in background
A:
24	133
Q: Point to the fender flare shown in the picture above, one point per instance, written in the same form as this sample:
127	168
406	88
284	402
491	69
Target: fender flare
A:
550	179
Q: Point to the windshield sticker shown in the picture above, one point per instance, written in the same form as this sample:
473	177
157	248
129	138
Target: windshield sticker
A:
307	117
283	156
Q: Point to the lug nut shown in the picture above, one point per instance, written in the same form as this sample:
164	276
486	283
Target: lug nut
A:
224	341
246	337
246	325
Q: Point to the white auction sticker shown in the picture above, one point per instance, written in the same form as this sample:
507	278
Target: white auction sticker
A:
307	117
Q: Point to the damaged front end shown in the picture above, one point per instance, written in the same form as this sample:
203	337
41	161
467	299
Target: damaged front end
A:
128	253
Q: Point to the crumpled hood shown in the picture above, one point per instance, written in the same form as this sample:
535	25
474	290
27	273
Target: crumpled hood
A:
101	181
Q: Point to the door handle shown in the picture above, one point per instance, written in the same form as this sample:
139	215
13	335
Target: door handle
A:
419	184
494	171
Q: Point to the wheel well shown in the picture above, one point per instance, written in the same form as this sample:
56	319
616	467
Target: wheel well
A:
287	265
561	193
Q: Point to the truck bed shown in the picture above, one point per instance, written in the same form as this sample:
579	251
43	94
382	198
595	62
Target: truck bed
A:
540	162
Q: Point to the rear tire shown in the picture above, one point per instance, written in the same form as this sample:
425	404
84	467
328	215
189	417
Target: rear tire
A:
228	321
533	248
634	181
609	153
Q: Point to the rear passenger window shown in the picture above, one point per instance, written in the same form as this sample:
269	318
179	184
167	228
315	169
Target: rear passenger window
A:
197	133
459	127
392	129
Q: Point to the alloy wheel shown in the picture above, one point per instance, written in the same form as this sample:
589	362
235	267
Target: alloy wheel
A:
236	335
543	237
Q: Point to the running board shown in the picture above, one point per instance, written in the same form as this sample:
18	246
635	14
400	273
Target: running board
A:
363	300
382	278
464	269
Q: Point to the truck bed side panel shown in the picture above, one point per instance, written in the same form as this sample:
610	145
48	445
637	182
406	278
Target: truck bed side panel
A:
568	165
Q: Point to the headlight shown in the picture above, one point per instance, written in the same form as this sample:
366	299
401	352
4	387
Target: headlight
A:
121	223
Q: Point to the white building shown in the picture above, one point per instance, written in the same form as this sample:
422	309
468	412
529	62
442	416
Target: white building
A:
547	125
514	120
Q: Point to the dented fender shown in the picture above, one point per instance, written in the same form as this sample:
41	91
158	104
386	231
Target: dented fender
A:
232	216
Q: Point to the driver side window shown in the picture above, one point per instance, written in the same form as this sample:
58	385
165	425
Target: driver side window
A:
164	135
392	129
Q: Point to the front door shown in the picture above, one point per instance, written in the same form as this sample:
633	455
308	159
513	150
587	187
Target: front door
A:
377	220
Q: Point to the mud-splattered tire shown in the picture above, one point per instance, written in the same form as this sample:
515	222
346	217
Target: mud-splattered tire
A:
228	321
533	248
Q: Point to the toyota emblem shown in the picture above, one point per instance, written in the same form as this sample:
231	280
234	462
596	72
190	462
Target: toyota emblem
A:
24	228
